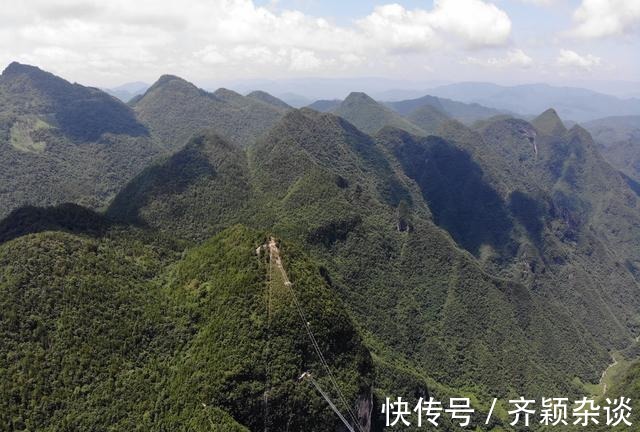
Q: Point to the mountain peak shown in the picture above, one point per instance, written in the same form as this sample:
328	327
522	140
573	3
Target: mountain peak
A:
227	95
171	84
36	75
168	77
171	80
16	68
359	97
269	99
370	116
549	123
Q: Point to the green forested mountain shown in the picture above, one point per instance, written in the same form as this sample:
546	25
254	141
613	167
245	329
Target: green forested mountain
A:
545	210
370	116
122	334
419	116
428	118
193	193
427	258
174	109
618	140
269	99
417	296
64	142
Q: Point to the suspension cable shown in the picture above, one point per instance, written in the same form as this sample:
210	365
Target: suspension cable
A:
333	407
323	361
316	346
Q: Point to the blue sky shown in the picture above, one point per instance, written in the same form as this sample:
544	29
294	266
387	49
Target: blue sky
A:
505	41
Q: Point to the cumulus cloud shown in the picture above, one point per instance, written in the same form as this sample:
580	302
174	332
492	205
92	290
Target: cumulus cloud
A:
514	58
600	18
568	58
95	38
475	23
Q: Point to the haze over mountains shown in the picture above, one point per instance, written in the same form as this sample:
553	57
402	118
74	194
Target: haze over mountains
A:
619	140
572	103
434	246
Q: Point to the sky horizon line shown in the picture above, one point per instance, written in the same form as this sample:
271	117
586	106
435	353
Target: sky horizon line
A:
394	84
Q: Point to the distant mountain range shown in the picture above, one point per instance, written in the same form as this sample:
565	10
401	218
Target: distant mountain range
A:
619	141
571	103
128	91
173	109
420	116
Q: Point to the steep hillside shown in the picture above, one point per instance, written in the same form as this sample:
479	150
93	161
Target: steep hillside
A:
440	259
412	290
549	123
627	386
193	193
269	99
370	116
618	140
82	318
64	142
428	118
557	216
150	344
64	217
418	298
174	109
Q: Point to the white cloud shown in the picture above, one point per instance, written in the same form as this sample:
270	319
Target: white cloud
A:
568	58
601	18
95	38
303	60
475	23
541	2
210	55
514	58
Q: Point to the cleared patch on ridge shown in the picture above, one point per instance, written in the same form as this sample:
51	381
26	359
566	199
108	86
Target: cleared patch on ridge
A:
23	132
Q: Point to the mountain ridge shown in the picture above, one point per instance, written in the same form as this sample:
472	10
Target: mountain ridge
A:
174	109
62	142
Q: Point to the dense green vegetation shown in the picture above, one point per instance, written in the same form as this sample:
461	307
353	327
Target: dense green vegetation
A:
64	142
370	116
269	99
493	260
193	193
174	109
319	181
428	118
117	333
64	217
574	220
